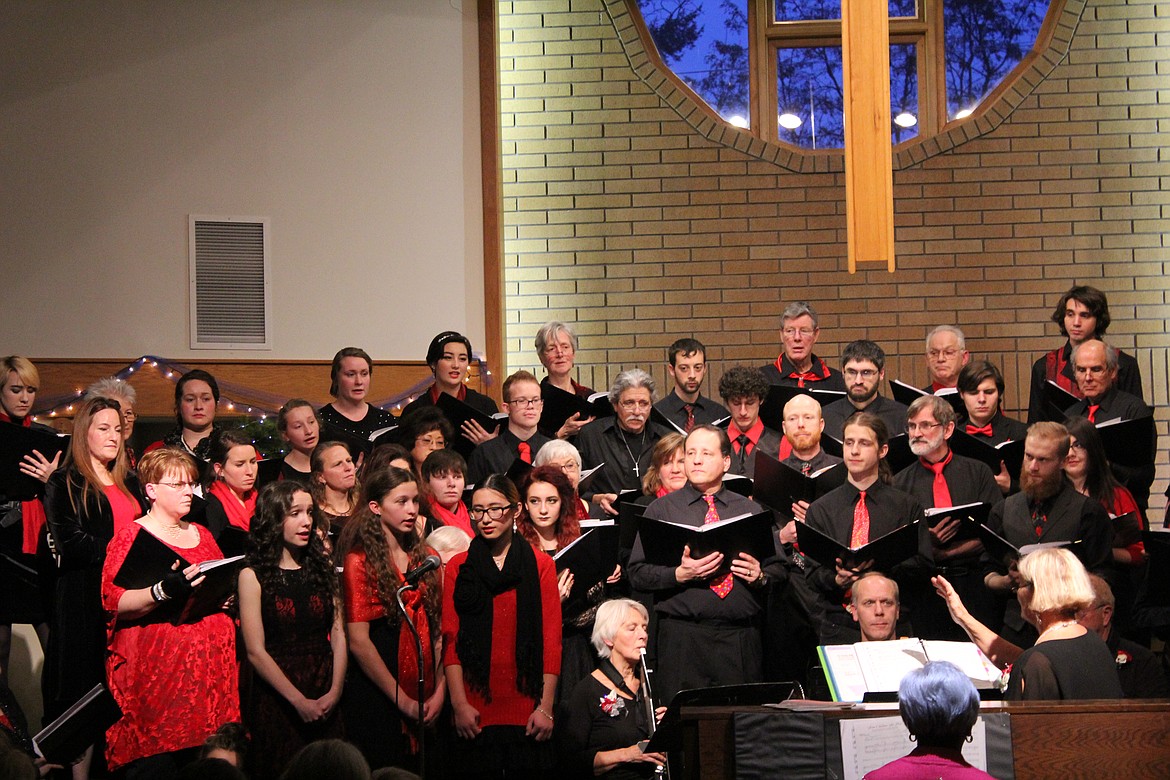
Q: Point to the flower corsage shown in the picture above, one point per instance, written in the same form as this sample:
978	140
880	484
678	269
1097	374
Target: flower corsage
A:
612	704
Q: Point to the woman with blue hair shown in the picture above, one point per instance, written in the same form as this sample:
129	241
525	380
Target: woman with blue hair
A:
939	706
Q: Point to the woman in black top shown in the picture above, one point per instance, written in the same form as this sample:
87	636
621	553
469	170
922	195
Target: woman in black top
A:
601	723
300	427
449	357
349	418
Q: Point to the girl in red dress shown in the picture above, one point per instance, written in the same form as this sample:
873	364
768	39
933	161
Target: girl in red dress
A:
382	698
291	621
501	644
175	683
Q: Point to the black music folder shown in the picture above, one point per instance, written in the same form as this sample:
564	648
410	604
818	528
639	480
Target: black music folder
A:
772	407
82	725
16	441
975	514
886	552
149	560
663	541
907	394
1010	453
1000	549
1128	442
1056	401
779	486
458	413
591	557
560	405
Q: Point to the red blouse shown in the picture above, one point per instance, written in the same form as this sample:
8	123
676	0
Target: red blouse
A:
175	684
508	706
126	510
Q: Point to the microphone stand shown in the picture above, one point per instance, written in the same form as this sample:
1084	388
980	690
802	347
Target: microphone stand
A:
422	737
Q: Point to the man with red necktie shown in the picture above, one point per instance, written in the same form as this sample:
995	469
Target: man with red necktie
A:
519	438
709	626
865	508
940	479
1082	314
686	406
1047	509
1096	366
981	388
797	366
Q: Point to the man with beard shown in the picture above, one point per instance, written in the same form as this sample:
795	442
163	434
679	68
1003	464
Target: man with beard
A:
946	354
743	389
1081	314
708	628
624	442
803	426
1047	509
1096	366
685	406
940	479
797	366
864	368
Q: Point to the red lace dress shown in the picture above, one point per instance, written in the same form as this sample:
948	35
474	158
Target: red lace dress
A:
175	684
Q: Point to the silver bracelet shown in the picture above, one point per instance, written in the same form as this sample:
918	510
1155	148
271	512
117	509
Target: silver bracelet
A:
157	593
545	714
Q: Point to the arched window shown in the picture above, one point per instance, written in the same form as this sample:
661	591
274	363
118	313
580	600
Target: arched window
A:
774	66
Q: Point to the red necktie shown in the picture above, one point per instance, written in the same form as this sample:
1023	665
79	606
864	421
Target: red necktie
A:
690	423
1093	412
942	493
525	451
805	467
722	585
973	430
1039	518
860	535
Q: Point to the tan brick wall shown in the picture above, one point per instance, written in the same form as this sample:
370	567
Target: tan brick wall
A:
634	215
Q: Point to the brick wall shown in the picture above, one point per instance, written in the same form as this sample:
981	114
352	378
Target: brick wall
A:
632	213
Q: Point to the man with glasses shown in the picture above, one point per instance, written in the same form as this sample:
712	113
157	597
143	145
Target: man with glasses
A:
941	479
624	443
864	364
797	366
946	354
686	406
519	438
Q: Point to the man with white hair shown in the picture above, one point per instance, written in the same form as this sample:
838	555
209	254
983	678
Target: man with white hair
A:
624	442
946	354
797	365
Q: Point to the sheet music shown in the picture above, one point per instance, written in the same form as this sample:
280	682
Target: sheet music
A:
869	743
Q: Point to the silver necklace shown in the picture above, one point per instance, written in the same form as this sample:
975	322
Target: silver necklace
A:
641	447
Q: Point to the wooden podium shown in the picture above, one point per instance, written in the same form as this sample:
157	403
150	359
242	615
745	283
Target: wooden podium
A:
1095	739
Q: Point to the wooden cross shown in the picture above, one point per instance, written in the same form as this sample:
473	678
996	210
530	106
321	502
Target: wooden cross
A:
869	159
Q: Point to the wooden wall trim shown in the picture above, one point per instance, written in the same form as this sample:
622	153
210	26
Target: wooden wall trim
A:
493	209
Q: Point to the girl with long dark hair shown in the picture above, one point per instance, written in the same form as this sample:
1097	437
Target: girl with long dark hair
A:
383	700
291	621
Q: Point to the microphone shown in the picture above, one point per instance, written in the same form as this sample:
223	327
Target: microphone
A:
429	564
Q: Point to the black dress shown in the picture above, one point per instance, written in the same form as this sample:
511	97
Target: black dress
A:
297	623
1062	669
594	719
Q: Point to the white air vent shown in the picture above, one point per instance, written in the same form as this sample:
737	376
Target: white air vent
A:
229	283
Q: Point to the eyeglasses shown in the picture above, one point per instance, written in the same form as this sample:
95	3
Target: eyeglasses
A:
128	414
428	441
806	332
526	403
630	405
935	354
924	427
865	373
1076	445
492	512
554	349
569	467
179	485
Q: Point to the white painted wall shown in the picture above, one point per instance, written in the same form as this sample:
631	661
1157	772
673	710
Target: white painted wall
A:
353	125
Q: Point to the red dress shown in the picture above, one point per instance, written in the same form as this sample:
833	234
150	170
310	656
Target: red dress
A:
508	706
175	684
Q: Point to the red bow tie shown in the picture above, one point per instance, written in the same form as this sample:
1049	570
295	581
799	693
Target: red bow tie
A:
973	430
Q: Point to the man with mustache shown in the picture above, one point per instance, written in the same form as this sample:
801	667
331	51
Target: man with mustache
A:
1047	509
864	368
624	442
797	366
1096	365
743	389
940	479
1081	314
686	406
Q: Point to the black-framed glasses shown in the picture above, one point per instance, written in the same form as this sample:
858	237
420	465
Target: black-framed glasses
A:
492	512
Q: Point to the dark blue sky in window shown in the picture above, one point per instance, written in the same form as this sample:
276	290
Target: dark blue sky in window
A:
705	42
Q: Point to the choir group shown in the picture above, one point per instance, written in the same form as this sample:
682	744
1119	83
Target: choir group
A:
473	594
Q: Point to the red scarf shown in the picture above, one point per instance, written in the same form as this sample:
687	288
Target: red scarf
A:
239	515
32	512
812	375
408	660
460	518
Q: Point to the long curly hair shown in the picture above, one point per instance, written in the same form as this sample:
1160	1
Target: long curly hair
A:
568	524
371	538
266	541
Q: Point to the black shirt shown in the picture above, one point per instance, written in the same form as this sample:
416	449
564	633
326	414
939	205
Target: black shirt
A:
626	455
826	378
967	480
337	427
892	413
1002	429
706	410
1129	379
495	456
821	460
1064	669
696	600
